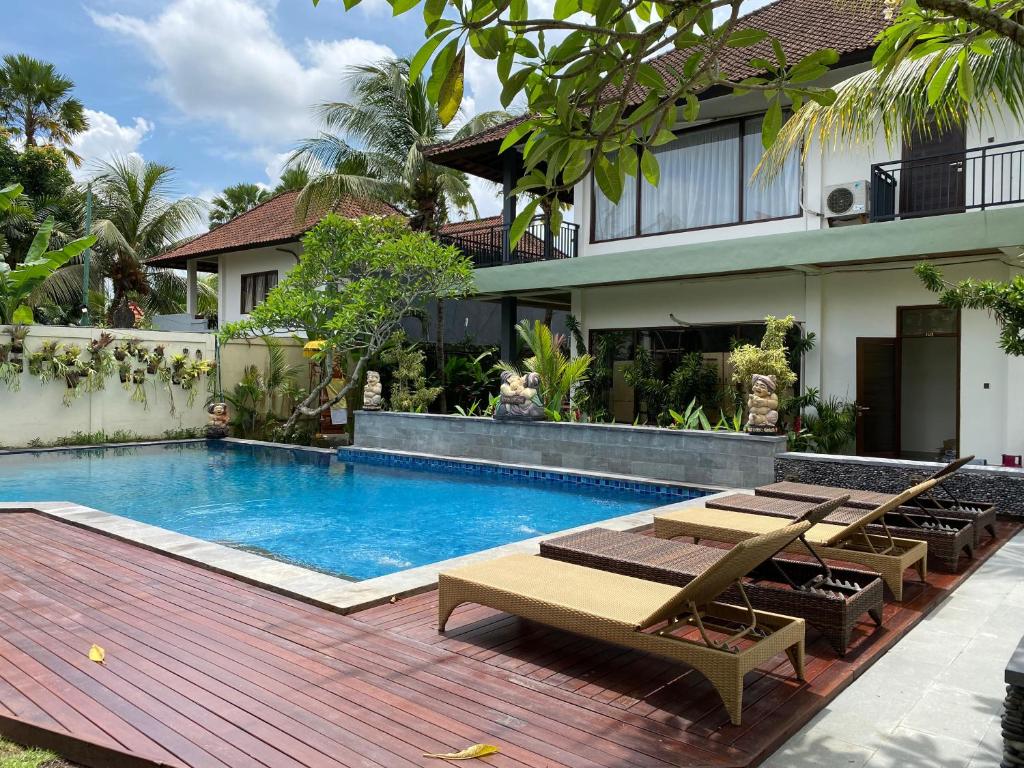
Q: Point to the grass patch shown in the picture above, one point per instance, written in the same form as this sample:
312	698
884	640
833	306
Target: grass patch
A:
13	756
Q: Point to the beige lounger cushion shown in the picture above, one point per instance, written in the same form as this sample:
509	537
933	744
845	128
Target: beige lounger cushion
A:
607	596
822	533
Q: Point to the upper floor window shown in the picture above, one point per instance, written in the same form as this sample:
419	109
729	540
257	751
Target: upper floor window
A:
705	182
255	287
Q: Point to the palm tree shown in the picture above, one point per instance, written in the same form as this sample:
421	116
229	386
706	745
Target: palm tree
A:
916	97
293	178
137	217
36	103
234	201
391	119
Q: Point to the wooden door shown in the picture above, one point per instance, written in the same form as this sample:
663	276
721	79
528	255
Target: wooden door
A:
878	425
932	174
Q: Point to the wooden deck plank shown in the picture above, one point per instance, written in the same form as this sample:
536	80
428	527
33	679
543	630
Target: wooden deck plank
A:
204	669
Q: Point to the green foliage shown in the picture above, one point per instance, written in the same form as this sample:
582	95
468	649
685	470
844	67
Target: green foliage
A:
18	284
559	373
695	380
409	390
649	389
692	418
37	105
260	398
13	756
356	280
828	425
469	380
1005	300
769	358
234	201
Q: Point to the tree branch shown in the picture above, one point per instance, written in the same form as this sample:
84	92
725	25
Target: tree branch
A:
975	14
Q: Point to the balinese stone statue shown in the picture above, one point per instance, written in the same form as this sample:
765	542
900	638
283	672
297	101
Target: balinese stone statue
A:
372	392
518	398
762	405
217	421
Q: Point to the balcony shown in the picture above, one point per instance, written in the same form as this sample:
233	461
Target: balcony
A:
487	244
975	179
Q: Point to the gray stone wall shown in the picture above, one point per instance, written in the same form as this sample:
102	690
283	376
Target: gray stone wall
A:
708	458
1001	486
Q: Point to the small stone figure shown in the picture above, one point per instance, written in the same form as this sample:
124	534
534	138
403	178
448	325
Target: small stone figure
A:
372	392
217	424
762	406
518	400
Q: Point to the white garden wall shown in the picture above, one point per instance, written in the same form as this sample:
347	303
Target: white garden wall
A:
36	412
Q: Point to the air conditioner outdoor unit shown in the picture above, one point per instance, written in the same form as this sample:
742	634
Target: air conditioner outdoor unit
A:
848	200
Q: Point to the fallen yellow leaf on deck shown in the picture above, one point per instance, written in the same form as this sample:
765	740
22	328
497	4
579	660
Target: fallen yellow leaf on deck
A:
477	750
97	654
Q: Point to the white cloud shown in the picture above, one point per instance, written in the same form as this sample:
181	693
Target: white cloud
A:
221	61
107	138
487	196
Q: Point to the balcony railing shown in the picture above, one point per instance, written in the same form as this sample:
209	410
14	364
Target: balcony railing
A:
979	178
486	246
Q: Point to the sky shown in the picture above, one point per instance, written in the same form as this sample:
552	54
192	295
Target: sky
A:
219	89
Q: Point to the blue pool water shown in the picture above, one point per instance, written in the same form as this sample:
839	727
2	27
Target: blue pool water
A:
355	520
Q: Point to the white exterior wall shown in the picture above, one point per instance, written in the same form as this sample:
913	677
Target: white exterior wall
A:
840	305
231	267
836	165
36	412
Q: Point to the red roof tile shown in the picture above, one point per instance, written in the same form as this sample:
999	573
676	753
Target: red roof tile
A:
267	223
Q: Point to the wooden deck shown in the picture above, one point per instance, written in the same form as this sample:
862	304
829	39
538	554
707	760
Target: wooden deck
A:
203	670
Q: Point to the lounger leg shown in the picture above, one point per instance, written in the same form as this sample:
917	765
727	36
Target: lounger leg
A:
922	569
991	531
729	685
795	653
447	601
894	581
876	615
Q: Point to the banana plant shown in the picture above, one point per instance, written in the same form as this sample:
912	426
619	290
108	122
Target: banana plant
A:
16	285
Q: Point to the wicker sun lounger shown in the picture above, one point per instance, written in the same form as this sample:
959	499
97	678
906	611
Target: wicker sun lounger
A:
948	504
947	538
832	604
852	543
685	624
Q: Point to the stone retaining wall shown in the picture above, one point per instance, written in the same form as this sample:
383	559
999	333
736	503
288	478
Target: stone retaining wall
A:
1001	486
687	456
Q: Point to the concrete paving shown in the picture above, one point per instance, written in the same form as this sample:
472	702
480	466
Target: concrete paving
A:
935	699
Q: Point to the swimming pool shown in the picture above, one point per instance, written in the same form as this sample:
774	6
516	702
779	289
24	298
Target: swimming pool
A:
357	518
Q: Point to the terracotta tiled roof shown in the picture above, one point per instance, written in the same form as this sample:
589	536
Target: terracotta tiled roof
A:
267	223
457	227
802	26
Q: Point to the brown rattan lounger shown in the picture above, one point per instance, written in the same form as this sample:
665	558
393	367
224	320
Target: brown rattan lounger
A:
947	538
832	605
887	555
685	624
948	504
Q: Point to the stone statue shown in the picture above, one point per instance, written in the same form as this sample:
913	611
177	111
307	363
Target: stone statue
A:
372	392
762	405
518	399
217	421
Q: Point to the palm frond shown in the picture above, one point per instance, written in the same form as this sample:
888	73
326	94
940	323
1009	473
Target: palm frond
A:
898	103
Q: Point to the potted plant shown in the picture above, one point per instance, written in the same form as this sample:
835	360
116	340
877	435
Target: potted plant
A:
131	346
18	333
124	372
139	386
49	365
121	352
69	367
36	362
141	353
178	363
10	372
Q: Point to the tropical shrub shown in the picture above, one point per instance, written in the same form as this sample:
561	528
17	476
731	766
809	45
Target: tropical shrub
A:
260	397
770	357
559	373
17	284
409	390
695	380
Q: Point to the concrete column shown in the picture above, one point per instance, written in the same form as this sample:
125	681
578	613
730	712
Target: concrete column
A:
192	288
509	176
814	323
508	336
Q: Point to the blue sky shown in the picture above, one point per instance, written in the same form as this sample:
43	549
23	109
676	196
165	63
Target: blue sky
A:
220	89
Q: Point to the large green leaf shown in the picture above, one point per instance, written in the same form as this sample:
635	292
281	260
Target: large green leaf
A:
23	315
